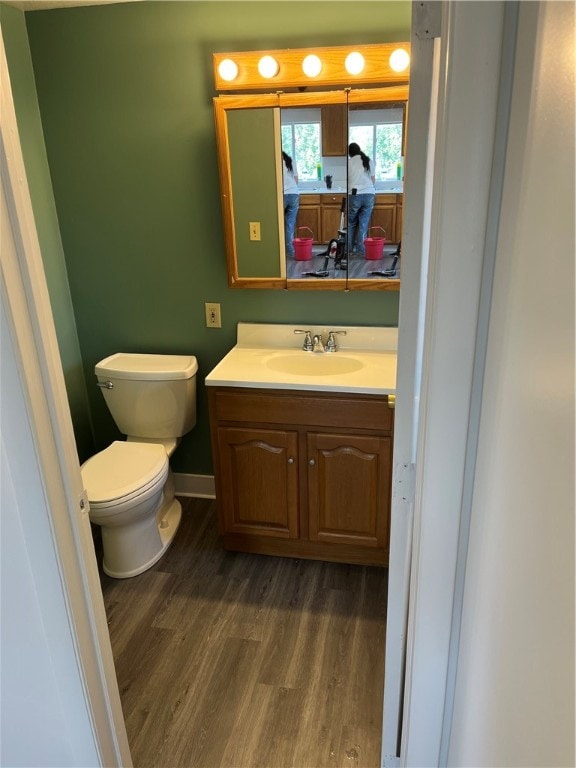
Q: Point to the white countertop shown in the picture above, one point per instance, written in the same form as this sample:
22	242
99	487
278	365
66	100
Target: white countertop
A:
382	188
270	356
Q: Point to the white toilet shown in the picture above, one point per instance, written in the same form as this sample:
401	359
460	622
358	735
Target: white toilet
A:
152	399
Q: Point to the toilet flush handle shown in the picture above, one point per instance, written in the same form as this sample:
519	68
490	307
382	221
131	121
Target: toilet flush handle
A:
105	384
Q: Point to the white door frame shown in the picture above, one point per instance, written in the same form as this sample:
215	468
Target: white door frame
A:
419	178
33	335
462	239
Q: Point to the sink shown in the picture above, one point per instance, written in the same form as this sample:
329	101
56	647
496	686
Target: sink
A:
269	356
314	364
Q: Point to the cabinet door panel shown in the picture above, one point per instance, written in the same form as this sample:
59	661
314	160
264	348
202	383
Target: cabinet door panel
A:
259	481
384	216
334	130
309	216
349	489
399	221
331	215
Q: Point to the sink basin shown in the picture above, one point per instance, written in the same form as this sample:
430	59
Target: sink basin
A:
314	364
268	356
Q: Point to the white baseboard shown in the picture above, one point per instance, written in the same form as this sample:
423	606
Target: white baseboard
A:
199	486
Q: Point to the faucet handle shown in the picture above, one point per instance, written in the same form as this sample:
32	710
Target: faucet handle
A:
308	345
331	343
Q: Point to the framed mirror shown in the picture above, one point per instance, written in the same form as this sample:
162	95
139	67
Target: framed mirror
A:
254	135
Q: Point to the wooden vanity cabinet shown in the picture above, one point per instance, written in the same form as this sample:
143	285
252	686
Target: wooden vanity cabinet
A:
303	474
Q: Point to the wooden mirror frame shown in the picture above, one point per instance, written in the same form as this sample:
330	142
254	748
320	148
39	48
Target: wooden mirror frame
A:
226	103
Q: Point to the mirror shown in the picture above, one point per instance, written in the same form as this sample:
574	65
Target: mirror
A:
314	130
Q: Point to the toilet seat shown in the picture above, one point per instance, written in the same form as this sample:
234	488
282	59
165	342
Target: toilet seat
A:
124	472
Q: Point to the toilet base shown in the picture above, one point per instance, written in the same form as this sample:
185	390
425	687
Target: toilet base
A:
166	526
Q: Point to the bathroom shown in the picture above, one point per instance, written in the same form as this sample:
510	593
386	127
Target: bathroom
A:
130	139
138	204
517	608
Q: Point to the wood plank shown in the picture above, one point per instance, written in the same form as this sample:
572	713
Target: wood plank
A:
243	660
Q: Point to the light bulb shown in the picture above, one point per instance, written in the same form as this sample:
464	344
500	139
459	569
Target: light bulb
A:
354	63
228	70
399	60
268	67
312	66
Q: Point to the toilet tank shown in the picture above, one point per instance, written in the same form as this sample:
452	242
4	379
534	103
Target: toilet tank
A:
150	396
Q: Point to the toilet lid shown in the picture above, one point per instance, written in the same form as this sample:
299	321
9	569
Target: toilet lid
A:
122	469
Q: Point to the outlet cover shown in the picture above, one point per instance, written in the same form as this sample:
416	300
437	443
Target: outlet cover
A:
213	318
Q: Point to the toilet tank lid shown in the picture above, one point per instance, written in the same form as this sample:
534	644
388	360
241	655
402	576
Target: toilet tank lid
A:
129	365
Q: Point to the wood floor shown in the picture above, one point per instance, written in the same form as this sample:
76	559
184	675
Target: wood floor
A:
359	268
248	661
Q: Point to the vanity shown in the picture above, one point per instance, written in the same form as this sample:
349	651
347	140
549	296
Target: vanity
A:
302	442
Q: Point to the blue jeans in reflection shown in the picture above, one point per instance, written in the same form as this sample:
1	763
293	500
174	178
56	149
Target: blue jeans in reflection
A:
359	212
291	204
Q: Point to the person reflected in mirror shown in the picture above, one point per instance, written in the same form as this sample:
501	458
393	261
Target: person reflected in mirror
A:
361	196
291	201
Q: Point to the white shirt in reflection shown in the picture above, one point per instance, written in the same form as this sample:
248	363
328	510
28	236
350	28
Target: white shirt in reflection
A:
359	178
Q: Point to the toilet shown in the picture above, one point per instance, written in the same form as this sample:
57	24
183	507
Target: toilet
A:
152	399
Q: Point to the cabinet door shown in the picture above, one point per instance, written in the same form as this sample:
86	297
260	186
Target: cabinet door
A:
349	489
309	216
258	482
384	216
331	215
334	130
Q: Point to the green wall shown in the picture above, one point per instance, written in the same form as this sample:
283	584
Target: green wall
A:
125	94
38	174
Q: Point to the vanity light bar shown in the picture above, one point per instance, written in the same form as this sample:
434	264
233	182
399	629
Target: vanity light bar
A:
297	67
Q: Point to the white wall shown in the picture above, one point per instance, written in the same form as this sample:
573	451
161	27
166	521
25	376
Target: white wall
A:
44	719
514	700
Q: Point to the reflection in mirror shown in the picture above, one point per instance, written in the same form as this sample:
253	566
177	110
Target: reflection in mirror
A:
338	222
314	130
314	136
374	224
291	198
252	149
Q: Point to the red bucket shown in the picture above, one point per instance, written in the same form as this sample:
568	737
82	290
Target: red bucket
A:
374	246
303	246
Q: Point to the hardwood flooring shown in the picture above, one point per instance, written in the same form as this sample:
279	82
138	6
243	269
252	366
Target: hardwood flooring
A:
359	268
248	661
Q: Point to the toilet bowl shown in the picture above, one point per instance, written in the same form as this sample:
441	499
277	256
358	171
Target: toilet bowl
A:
130	489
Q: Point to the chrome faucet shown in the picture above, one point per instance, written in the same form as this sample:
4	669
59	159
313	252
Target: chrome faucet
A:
331	343
308	345
318	344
